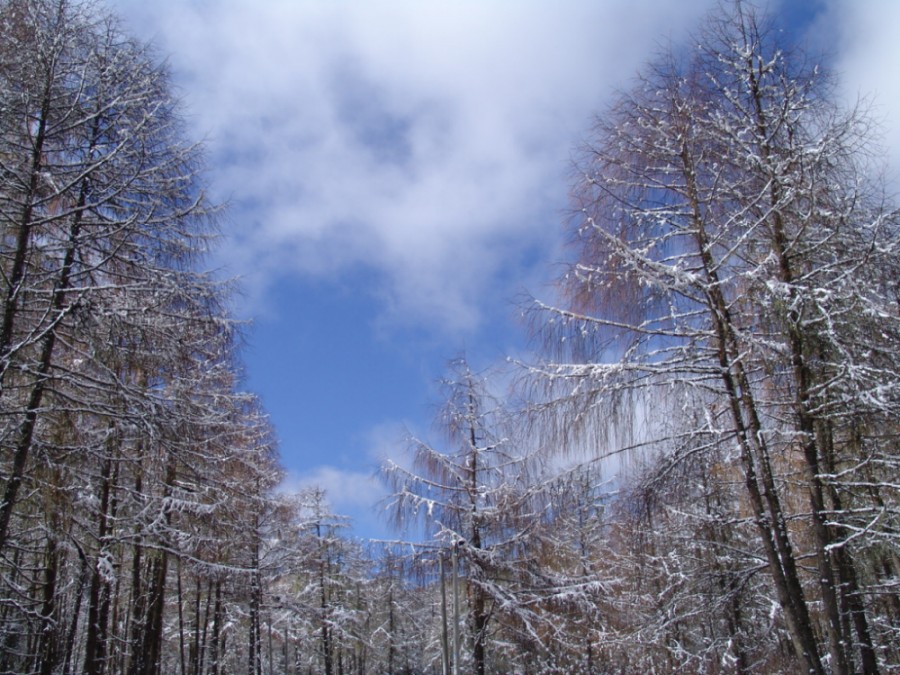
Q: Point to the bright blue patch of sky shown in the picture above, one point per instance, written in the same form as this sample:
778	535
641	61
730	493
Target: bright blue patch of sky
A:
325	374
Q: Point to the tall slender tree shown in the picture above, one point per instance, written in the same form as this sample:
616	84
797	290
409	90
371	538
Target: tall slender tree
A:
732	240
475	496
122	432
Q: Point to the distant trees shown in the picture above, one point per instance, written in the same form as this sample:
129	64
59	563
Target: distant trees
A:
489	500
465	497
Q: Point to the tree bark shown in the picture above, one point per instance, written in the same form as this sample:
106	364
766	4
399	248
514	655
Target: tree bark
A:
99	598
768	515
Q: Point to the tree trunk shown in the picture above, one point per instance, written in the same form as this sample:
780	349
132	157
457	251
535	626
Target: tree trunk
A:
99	598
148	662
23	234
48	650
218	618
758	480
182	627
58	309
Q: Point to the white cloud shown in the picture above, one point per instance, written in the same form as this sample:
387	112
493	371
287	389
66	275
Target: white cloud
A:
425	141
868	53
348	493
345	490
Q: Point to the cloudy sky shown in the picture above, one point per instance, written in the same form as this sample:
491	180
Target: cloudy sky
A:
396	174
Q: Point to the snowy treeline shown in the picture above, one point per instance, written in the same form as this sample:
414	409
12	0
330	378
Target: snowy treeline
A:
697	472
128	457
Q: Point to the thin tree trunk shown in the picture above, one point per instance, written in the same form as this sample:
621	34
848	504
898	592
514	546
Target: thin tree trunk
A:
254	663
23	234
151	644
326	645
445	644
25	434
138	596
846	569
806	427
758	479
151	648
391	627
76	611
98	603
58	309
203	645
837	639
49	646
479	614
181	625
216	631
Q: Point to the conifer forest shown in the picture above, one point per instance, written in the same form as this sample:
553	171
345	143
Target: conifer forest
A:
696	469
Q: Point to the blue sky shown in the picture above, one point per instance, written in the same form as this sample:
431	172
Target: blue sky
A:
396	173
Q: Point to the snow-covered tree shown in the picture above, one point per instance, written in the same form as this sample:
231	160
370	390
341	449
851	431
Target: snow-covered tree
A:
474	496
122	430
734	246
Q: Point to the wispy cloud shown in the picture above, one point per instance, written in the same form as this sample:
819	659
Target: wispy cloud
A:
345	490
426	142
867	54
355	492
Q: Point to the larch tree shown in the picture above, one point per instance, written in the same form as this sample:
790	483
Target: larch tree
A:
734	244
101	201
121	430
475	497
